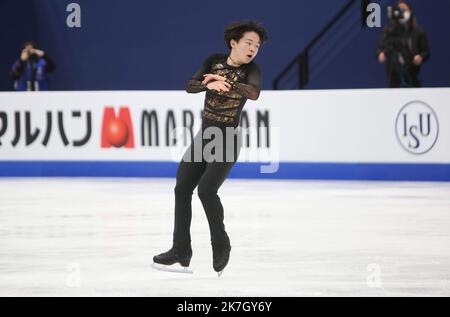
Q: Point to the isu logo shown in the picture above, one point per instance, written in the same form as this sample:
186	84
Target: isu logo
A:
117	131
417	127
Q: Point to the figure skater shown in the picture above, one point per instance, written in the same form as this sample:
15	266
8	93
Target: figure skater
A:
229	80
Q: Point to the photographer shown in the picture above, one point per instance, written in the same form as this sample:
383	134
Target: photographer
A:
30	70
403	47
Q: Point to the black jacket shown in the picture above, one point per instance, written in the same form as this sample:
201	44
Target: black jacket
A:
406	41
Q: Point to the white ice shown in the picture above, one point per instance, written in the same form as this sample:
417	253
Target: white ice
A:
97	237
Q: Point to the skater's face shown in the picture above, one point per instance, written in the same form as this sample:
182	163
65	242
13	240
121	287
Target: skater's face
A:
246	49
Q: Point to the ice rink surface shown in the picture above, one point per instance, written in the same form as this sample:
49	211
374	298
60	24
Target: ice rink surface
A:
97	237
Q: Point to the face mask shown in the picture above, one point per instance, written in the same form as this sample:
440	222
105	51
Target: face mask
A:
406	17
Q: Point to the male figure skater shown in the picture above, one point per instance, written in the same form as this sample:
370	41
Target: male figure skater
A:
229	80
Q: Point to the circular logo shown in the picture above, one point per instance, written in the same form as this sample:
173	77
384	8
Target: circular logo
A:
417	127
117	132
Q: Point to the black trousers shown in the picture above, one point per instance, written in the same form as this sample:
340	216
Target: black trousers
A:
207	171
409	75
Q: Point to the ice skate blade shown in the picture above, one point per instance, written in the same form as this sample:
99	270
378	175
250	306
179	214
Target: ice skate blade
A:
175	268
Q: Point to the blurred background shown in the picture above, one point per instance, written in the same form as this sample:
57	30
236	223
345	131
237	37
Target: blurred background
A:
158	45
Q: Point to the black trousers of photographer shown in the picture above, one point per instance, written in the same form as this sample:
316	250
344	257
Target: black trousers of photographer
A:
207	171
409	75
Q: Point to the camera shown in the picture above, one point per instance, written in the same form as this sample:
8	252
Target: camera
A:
395	14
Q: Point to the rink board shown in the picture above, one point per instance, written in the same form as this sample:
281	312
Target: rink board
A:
376	134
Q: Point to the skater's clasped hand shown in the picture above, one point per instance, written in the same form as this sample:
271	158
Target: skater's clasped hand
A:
216	82
219	86
212	77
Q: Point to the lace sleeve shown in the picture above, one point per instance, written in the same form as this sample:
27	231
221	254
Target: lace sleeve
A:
252	87
195	86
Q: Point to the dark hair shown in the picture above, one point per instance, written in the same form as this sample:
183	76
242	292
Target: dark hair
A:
404	2
235	31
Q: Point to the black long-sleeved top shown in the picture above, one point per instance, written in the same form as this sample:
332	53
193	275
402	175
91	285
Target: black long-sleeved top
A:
224	108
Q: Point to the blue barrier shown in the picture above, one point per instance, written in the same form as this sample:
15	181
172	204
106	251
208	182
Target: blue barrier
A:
286	170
